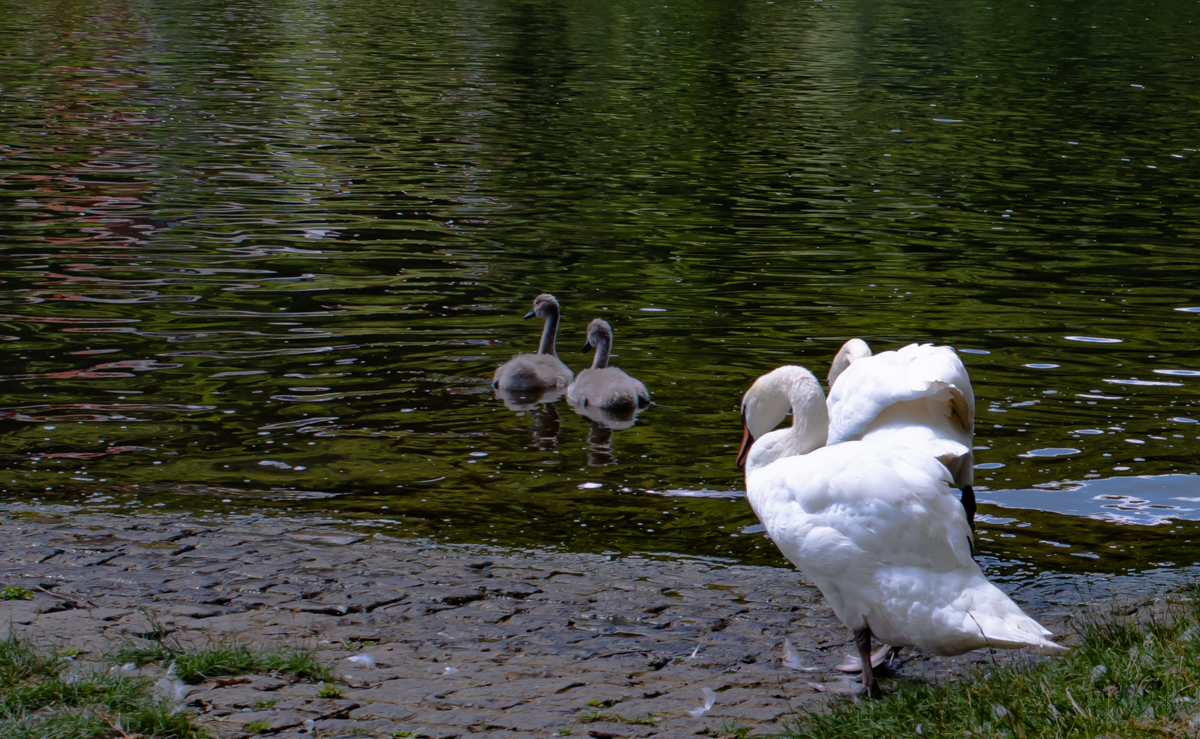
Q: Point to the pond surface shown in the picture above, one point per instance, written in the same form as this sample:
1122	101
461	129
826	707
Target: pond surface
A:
266	255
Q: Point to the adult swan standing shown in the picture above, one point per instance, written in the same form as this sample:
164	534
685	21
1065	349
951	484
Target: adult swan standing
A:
541	371
874	526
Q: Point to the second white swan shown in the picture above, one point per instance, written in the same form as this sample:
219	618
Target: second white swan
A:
873	525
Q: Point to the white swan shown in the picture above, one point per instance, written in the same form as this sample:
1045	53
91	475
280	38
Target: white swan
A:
872	524
920	396
541	371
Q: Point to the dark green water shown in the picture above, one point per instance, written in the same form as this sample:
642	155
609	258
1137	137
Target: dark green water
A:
266	255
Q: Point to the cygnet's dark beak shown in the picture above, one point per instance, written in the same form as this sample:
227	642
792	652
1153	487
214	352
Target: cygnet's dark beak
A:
532	312
586	346
747	442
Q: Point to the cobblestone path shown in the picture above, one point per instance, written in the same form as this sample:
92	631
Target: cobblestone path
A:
466	640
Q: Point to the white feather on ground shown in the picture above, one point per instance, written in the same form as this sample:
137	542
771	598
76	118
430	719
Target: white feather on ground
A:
792	659
709	699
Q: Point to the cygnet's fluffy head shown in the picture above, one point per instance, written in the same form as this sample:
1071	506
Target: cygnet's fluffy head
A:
544	306
598	332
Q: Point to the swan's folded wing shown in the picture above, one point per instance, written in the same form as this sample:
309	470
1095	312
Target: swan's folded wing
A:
958	458
893	504
871	385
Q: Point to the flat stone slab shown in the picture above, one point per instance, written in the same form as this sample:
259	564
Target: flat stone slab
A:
449	640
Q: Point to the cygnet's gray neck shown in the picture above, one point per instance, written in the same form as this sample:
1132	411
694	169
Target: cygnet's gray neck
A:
603	347
549	332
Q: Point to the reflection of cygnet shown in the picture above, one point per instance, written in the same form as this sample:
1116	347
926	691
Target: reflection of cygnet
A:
599	448
525	400
539	404
621	418
602	387
541	371
545	427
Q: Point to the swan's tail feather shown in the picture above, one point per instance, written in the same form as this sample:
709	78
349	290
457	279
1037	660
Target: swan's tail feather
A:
1013	632
1000	621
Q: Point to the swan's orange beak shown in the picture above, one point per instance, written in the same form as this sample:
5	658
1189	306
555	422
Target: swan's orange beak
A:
747	442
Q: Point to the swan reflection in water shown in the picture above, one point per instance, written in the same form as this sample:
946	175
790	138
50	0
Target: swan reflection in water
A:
546	423
602	422
540	406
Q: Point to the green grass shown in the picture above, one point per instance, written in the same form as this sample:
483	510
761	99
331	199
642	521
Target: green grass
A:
16	592
328	690
44	694
590	717
228	658
733	729
1132	676
40	698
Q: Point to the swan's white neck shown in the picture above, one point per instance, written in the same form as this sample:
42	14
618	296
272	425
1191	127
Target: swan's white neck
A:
767	403
852	350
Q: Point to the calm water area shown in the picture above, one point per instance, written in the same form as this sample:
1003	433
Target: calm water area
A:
264	256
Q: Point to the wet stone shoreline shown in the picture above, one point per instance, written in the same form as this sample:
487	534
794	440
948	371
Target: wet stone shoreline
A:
465	640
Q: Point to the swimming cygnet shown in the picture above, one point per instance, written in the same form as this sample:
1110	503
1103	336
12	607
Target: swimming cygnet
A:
541	371
605	387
